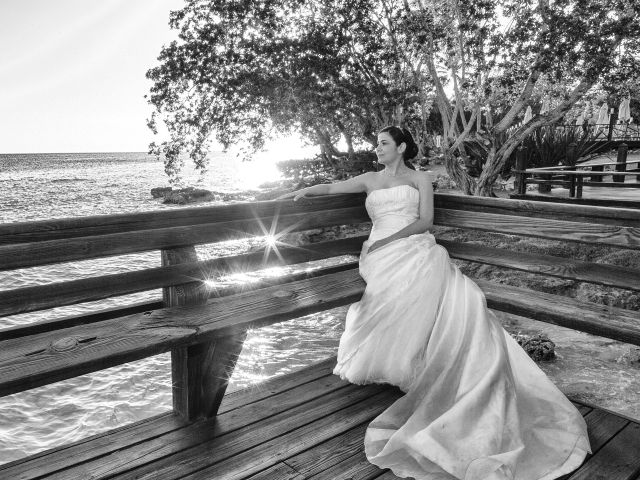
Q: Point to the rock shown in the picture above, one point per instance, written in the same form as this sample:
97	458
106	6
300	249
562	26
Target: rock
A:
632	357
187	195
613	297
160	192
538	347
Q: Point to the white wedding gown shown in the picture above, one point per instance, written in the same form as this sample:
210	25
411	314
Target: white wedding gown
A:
476	407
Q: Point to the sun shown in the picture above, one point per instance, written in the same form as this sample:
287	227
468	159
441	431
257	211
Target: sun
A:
263	166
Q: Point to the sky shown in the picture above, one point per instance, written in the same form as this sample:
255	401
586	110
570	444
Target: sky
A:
72	73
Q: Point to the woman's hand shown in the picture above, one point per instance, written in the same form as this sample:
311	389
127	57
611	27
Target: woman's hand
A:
295	195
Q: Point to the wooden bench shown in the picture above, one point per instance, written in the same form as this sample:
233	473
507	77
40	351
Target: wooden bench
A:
309	423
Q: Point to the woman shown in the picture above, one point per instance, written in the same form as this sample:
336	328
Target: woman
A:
476	406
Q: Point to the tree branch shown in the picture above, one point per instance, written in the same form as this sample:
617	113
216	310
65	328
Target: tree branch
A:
522	99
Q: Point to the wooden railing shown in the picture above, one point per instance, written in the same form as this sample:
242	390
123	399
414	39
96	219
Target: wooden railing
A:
579	175
204	329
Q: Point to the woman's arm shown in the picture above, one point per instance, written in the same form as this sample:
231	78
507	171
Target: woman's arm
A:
352	185
425	220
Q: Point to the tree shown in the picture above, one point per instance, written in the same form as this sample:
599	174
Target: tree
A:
325	70
499	57
342	69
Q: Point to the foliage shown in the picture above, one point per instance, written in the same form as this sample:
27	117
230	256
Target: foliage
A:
343	69
319	170
548	146
500	57
243	70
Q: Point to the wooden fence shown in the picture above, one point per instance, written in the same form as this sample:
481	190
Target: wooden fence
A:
576	176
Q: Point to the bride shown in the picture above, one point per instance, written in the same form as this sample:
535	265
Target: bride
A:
476	407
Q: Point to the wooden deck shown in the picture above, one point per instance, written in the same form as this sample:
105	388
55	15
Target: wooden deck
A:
304	425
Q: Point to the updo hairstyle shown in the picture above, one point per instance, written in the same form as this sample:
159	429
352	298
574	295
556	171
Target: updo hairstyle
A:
402	135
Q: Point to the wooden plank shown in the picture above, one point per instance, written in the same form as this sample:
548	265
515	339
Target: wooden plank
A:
612	184
326	454
583	409
551	181
280	471
627	205
578	165
107	443
53	356
611	412
603	320
249	425
40	297
625	237
600	274
27	232
82	248
530	207
388	475
49	461
581	173
273	447
602	427
279	384
75	320
142	307
180	456
619	459
73	227
356	467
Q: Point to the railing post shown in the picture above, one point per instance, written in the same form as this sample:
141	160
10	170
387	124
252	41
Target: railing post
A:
623	149
579	181
613	119
571	160
544	187
597	168
572	186
200	373
521	166
571	154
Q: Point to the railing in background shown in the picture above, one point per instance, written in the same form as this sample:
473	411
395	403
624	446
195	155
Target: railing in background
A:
579	175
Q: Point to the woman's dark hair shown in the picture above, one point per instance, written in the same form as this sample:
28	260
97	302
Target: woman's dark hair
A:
402	135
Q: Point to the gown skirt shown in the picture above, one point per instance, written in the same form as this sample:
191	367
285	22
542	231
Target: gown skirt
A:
476	407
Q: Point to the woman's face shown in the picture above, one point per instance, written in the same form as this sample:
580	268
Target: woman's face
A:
387	150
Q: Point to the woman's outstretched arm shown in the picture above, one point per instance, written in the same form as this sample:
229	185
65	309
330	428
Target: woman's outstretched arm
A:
352	185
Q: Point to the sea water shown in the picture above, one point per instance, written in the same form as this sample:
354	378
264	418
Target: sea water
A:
45	186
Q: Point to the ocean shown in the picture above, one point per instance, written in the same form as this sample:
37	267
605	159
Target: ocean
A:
43	186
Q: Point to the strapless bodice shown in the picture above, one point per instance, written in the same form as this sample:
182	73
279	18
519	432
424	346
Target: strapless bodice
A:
391	209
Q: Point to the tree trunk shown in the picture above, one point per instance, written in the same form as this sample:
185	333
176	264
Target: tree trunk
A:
463	180
490	173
